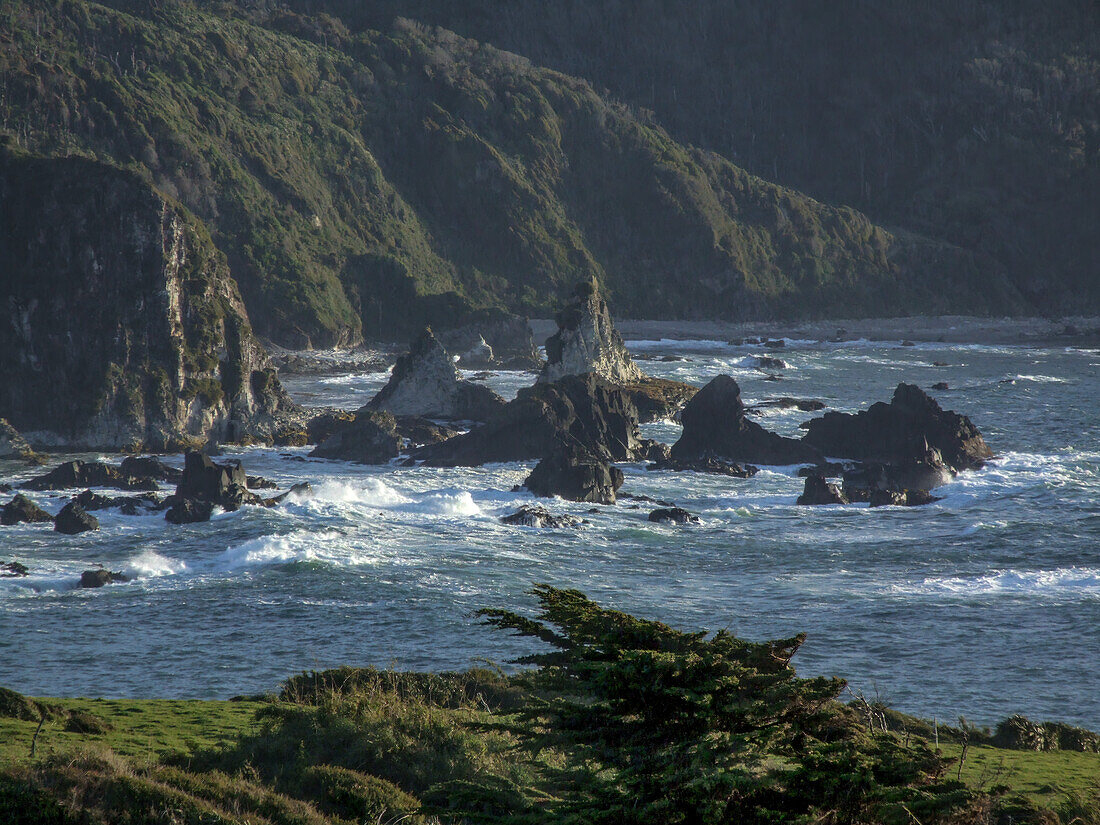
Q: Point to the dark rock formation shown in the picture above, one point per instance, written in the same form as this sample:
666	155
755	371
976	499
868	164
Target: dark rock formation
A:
900	498
13	570
575	474
785	402
587	341
582	410
88	474
941	385
827	469
370	439
527	516
658	399
130	505
189	511
770	362
421	431
912	428
715	425
675	515
100	578
425	383
149	467
121	325
820	491
21	510
302	490
74	519
706	464
205	484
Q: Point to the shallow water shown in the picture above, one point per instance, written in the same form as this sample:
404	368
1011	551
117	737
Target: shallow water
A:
984	604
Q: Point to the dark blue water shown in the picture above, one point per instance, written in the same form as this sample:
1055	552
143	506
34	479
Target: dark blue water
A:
984	604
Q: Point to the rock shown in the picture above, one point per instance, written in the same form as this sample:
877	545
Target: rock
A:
302	490
425	383
940	364
508	336
901	498
777	343
149	467
706	464
658	399
13	570
478	356
655	450
575	474
422	431
940	385
188	510
715	425
370	439
88	474
21	510
769	362
908	430
587	342
908	343
676	515
582	410
260	483
785	402
527	516
864	479
129	327
99	578
74	519
820	491
827	469
12	444
130	505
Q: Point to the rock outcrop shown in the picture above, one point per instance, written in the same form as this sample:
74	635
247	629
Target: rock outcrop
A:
819	491
120	325
425	382
705	464
587	341
585	411
370	439
12	444
205	484
673	515
715	425
527	516
21	510
912	429
74	519
507	336
576	474
90	474
101	578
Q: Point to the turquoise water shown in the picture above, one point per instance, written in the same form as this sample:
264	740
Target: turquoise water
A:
984	604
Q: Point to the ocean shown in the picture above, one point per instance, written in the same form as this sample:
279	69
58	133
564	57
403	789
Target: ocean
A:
982	605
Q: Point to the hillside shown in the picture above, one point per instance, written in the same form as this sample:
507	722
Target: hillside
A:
361	181
976	123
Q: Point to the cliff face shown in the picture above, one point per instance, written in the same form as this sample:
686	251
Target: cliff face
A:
119	323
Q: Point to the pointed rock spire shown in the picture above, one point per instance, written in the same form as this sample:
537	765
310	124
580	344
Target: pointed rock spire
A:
587	341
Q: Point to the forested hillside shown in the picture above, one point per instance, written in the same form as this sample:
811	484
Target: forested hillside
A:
365	171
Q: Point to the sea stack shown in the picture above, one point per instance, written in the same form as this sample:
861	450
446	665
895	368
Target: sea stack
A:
587	341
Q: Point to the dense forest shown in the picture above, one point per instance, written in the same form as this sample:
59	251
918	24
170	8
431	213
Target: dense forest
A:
369	167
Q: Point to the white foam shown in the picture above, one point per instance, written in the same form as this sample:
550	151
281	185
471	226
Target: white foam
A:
1040	379
450	504
673	344
150	565
1075	582
369	491
303	545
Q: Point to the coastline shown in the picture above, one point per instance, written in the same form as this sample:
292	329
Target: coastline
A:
955	329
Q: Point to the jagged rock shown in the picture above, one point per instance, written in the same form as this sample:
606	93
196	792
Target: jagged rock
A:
425	383
527	516
370	439
900	498
100	578
508	336
770	362
715	425
74	519
127	326
188	510
907	430
88	474
587	342
656	451
13	570
785	402
676	515
149	467
260	483
820	491
658	399
706	464
478	356
302	490
131	505
827	469
12	444
575	474
421	431
927	474
583	410
22	510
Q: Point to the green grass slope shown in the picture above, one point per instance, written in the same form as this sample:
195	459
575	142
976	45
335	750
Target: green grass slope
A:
361	182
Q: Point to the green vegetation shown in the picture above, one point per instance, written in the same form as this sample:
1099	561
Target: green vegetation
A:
364	179
623	720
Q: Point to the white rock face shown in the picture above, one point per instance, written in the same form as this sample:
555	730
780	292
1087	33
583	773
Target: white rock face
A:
425	383
587	341
479	355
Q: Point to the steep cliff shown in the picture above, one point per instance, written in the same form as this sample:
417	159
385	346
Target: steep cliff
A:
119	323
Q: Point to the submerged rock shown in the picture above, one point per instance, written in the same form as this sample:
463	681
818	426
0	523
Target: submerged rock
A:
819	491
905	431
425	382
583	410
527	516
706	464
575	474
166	356
675	515
21	510
74	519
587	342
715	425
371	438
89	474
13	570
100	578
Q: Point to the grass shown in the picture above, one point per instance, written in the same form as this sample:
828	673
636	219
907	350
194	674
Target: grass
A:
1044	777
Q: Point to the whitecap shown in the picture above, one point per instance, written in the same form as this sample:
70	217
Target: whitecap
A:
1071	582
450	504
151	564
301	546
369	491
